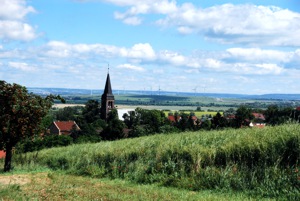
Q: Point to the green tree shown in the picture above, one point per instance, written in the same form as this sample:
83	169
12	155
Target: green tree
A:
218	121
243	116
275	115
130	119
115	127
20	116
206	124
91	111
68	113
90	123
184	123
152	119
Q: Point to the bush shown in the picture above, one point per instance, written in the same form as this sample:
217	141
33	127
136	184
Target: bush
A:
30	145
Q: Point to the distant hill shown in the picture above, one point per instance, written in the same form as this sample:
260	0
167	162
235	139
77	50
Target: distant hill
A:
66	91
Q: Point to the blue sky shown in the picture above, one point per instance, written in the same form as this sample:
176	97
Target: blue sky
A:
217	46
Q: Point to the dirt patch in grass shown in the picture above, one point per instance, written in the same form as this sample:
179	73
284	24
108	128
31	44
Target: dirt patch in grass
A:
14	179
22	179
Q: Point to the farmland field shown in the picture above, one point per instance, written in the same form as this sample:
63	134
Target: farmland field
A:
197	113
177	103
172	102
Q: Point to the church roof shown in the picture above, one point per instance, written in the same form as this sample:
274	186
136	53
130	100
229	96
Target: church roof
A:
107	89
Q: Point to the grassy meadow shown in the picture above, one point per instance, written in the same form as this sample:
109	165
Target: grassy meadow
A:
51	185
243	163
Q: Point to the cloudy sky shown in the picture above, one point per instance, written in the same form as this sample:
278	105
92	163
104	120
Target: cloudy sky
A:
216	46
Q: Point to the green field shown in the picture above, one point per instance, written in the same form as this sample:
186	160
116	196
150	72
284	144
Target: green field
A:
197	113
173	102
235	164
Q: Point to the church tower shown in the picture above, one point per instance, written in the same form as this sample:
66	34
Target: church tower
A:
107	99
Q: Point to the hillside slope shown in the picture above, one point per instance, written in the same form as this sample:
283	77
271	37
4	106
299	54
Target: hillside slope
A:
264	162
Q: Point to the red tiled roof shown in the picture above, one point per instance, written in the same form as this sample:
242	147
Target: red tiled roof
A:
194	118
171	118
231	116
258	116
2	154
298	108
65	125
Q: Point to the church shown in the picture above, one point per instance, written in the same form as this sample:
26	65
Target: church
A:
107	99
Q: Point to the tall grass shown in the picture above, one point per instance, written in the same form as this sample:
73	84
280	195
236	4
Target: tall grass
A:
264	162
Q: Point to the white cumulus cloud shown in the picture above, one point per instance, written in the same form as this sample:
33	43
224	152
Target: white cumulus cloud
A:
21	66
245	23
139	51
131	67
12	21
14	9
227	23
257	55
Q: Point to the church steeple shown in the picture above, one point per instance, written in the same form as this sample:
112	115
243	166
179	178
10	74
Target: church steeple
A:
107	89
107	99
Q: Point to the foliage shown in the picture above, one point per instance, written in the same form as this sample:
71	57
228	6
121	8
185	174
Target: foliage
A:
87	118
115	128
30	145
275	115
206	124
219	121
91	111
130	119
68	113
263	162
168	129
153	118
145	122
243	116
20	116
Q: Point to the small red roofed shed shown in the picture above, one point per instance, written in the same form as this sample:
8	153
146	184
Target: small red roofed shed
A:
298	108
63	127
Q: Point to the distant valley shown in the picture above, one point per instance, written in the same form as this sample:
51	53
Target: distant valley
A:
74	92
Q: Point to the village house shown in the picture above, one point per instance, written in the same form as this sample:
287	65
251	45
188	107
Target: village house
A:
175	119
63	127
258	121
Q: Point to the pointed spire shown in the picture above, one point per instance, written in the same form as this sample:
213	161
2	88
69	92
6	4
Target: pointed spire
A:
107	89
107	99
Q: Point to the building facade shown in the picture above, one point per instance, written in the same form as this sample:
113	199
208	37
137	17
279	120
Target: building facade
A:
63	127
